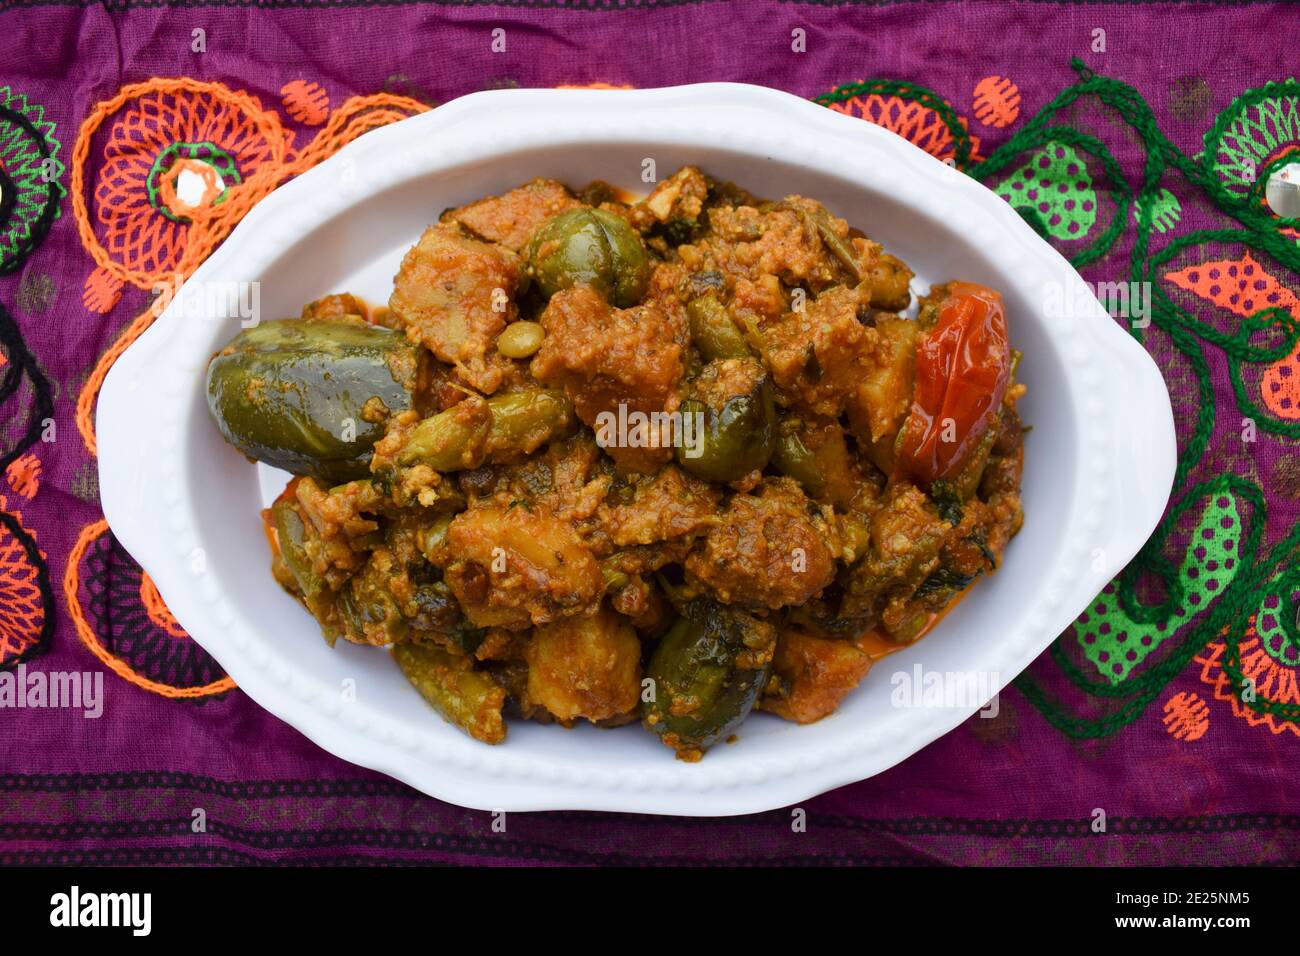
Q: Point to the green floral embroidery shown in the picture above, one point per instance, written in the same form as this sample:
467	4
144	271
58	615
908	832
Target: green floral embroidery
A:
1056	187
30	174
1275	620
1040	136
1116	643
1165	211
1251	135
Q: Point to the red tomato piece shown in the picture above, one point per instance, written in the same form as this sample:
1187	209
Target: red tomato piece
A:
962	369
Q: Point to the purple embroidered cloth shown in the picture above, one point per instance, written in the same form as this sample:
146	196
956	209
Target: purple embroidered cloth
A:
1147	164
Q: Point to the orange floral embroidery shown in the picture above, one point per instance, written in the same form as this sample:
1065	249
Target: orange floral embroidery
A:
1187	717
184	162
918	124
24	475
306	102
22	612
153	182
1272	679
996	101
71	592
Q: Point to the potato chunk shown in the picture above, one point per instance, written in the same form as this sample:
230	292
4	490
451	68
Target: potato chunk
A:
512	566
679	197
811	675
821	355
454	295
587	667
877	407
512	218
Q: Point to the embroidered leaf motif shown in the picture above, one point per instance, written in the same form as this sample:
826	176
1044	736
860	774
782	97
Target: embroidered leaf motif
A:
306	102
1187	717
1239	285
1055	185
101	291
24	475
1243	287
997	101
1165	211
1116	644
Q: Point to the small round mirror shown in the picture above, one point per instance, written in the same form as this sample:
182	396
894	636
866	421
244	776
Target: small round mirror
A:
1283	191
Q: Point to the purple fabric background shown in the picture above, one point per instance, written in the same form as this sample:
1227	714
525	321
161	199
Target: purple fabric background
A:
1015	790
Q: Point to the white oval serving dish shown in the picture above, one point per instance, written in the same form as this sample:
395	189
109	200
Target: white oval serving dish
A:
1099	461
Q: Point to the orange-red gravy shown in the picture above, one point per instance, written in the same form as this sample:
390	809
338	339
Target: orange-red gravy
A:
876	646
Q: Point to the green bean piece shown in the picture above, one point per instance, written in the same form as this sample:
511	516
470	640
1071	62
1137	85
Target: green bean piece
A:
524	421
792	457
497	430
438	612
291	535
452	440
592	247
814	453
432	538
465	697
615	577
312	396
370	611
712	330
708	671
837	246
963	485
856	534
820	221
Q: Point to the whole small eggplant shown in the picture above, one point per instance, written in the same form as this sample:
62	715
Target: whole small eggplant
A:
312	396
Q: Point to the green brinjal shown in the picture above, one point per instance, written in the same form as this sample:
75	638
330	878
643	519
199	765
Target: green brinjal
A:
707	672
591	247
312	396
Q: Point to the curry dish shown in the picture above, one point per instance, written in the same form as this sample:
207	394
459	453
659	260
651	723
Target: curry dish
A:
668	460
